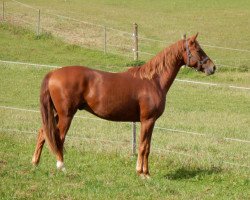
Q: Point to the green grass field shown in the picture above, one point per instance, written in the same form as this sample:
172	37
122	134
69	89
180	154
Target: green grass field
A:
98	158
222	23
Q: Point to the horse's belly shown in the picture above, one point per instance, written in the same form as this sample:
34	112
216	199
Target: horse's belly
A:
115	110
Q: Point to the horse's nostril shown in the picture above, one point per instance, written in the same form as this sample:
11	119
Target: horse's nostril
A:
214	68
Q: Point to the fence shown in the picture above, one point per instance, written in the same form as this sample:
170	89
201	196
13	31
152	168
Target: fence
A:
133	143
110	41
177	80
18	120
106	39
113	136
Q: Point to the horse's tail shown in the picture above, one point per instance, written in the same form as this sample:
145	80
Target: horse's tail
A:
48	118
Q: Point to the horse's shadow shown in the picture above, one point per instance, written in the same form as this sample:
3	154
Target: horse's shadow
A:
185	173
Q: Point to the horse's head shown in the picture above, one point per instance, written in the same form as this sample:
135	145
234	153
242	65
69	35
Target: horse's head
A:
195	57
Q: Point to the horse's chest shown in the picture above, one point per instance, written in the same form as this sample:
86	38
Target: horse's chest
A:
159	107
152	105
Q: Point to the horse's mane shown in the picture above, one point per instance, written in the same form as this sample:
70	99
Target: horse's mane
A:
166	58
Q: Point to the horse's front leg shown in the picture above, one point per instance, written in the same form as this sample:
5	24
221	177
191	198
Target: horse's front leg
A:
144	147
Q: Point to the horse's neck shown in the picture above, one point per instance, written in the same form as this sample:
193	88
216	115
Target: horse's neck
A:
170	72
163	68
168	78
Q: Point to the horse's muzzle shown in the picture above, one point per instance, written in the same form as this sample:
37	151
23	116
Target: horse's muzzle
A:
210	70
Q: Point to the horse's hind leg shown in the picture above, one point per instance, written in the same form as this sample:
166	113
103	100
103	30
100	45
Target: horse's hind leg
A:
63	127
39	147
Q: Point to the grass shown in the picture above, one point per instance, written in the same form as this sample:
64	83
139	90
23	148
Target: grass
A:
183	166
163	19
220	23
91	176
16	42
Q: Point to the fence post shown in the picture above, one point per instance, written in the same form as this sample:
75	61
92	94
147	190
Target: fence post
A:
135	50
135	37
38	22
3	11
183	37
133	138
105	39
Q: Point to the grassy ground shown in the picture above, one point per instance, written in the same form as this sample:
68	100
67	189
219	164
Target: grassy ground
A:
163	19
103	175
46	49
220	23
98	159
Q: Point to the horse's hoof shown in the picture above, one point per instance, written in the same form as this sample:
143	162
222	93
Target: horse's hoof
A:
34	162
63	170
147	176
144	176
35	165
60	166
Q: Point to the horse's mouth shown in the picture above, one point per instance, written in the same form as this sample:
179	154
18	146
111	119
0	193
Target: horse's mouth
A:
210	70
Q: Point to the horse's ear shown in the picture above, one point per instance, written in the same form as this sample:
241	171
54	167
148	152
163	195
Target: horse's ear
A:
193	38
196	36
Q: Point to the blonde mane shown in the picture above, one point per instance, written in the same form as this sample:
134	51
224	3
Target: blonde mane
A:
165	59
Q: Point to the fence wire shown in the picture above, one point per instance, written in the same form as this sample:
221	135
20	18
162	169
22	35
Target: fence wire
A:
118	134
113	136
107	39
222	85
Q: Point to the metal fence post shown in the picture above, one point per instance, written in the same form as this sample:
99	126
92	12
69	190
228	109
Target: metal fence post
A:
105	40
3	11
133	138
38	23
183	37
135	50
135	37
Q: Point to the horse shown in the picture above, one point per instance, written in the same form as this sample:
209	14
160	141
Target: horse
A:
135	95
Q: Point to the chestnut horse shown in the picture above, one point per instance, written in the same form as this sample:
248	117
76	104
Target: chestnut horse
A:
136	95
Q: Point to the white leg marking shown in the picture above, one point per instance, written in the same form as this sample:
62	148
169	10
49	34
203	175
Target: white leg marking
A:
33	160
60	166
137	165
